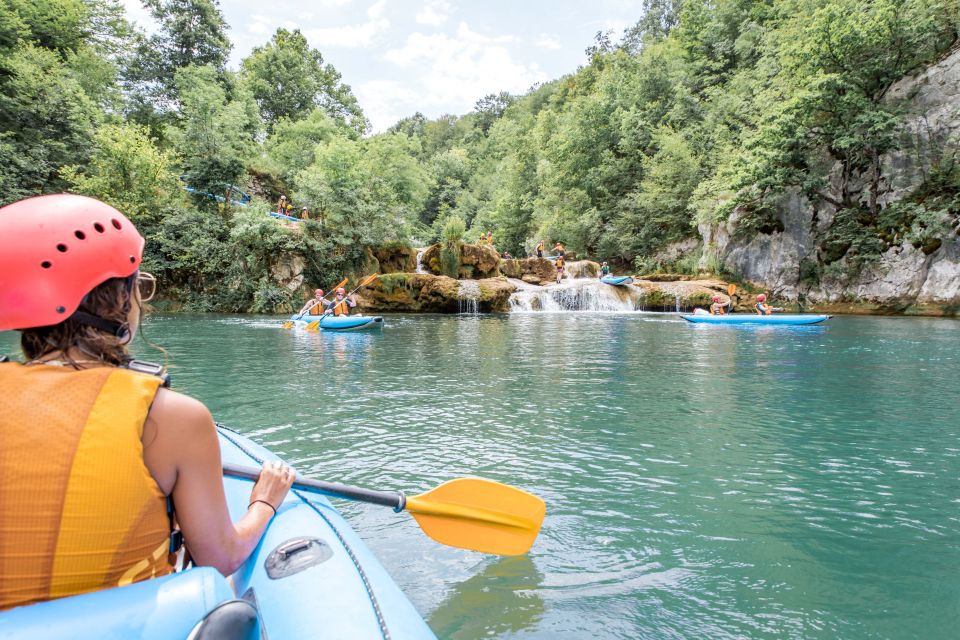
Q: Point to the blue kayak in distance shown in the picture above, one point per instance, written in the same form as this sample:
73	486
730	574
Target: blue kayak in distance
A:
754	318
343	323
311	578
617	281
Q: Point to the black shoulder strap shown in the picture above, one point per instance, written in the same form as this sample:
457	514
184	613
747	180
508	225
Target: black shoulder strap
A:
4	359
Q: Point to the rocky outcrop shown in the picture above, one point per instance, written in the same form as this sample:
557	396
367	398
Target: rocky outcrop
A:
395	259
792	259
531	270
428	293
476	261
582	269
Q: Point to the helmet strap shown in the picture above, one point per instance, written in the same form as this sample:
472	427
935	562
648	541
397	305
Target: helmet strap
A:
118	329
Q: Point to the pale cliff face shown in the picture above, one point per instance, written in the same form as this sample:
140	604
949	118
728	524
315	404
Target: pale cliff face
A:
924	279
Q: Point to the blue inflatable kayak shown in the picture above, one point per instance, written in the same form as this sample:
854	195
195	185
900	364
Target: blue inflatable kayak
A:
311	577
616	280
342	323
754	318
283	216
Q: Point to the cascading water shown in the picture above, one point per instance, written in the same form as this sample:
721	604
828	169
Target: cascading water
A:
420	253
468	297
581	294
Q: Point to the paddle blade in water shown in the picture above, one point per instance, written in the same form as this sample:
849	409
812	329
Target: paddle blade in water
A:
287	325
313	326
480	515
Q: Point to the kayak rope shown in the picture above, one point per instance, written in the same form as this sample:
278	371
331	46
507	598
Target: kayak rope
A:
223	429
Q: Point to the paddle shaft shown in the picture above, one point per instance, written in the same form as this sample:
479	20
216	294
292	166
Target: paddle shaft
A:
392	499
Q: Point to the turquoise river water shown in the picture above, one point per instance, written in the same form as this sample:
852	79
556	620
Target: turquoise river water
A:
701	482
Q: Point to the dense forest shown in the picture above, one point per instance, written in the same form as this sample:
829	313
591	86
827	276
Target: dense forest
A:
702	108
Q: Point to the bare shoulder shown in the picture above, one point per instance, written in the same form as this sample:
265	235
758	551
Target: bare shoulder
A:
173	411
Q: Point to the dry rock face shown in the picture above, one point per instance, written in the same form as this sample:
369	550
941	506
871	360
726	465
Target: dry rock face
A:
907	278
531	270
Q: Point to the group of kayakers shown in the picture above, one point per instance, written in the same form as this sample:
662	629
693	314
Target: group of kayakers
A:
719	308
286	208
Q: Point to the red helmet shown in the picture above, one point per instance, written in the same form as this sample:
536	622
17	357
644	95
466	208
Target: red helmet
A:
341	291
54	250
716	298
762	297
318	293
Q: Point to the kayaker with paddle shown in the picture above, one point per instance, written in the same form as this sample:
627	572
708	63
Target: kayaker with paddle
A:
316	306
342	304
763	308
101	463
717	308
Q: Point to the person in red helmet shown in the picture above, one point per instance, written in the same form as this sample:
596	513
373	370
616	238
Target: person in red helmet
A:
317	305
342	304
763	308
717	308
99	461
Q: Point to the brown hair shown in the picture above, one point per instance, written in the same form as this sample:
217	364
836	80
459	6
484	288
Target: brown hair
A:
110	300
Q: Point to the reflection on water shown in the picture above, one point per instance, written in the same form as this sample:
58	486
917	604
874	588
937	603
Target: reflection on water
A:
502	598
701	482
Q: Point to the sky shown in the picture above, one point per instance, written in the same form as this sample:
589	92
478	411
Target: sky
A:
432	56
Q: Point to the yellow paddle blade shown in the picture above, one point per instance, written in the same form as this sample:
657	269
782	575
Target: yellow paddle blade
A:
731	289
480	515
287	325
342	283
313	326
368	280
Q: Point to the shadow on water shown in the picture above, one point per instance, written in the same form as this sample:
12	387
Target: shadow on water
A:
506	593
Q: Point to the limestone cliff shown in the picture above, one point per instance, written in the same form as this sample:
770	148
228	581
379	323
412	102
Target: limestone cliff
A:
916	268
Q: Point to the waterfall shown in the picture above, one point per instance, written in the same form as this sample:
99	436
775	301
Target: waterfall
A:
420	253
468	297
581	294
678	302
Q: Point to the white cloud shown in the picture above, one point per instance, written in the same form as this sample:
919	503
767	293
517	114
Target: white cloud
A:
352	35
547	41
386	101
434	12
454	72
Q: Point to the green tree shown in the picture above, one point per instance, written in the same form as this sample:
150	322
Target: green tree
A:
216	137
289	79
191	32
128	171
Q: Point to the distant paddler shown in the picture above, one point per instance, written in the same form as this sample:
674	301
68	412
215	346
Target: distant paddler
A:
604	270
763	308
540	249
718	308
560	261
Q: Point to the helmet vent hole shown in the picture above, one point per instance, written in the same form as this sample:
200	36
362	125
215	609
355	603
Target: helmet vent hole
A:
80	235
133	259
62	248
98	227
46	264
115	223
61	309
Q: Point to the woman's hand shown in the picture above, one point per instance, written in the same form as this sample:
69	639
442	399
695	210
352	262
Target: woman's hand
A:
273	484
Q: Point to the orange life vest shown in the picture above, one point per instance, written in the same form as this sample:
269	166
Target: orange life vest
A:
79	510
559	262
316	309
341	308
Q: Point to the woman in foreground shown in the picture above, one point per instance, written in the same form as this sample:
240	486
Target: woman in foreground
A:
100	464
